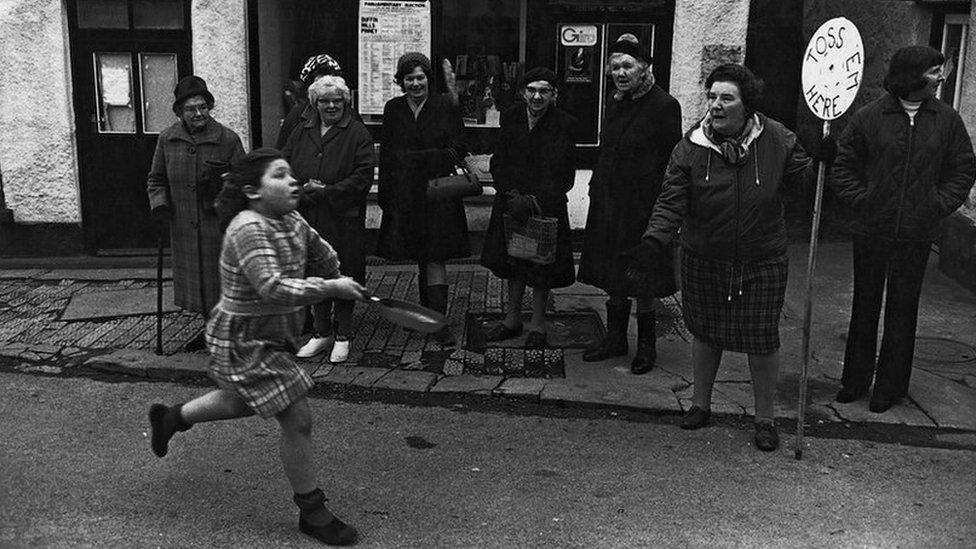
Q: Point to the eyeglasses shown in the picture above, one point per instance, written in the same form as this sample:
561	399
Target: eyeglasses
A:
529	90
324	101
202	109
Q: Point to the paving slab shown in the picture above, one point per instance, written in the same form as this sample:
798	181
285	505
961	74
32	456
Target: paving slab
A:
318	371
903	413
523	387
590	392
345	375
368	376
140	273
147	364
9	274
407	380
466	383
13	349
117	303
948	403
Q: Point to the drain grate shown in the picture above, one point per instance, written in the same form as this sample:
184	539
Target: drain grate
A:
941	350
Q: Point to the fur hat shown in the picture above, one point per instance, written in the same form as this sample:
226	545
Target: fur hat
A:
191	86
627	43
536	74
318	65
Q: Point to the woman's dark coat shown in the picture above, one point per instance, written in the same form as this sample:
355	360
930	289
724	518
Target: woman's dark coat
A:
411	152
901	178
540	162
728	212
176	180
343	161
635	144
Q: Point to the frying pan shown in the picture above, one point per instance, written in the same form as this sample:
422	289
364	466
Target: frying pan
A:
409	315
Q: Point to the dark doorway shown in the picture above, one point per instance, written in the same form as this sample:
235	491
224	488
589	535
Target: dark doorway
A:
126	57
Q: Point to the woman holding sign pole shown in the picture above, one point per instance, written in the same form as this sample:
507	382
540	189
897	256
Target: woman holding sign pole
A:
904	163
723	189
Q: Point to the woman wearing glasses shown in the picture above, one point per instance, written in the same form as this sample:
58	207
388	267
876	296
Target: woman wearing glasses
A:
534	157
331	153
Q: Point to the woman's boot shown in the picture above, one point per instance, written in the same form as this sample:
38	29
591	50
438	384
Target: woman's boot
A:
615	342
646	344
437	298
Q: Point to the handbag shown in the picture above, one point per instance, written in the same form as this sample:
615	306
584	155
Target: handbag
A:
535	239
461	184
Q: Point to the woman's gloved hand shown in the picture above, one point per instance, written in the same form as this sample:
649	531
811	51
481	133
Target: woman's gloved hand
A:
644	256
520	206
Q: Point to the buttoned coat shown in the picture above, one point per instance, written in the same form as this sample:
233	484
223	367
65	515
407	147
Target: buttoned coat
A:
175	178
343	161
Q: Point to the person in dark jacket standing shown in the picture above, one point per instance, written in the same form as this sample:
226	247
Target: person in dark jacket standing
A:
904	163
185	177
534	157
331	153
641	126
421	138
723	190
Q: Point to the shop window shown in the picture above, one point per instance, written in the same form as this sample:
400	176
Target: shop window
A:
481	38
954	41
157	73
103	14
113	81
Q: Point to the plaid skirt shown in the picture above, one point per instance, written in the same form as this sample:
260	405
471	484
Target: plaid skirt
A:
734	306
254	356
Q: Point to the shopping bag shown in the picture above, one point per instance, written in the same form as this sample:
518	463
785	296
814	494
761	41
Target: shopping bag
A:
534	240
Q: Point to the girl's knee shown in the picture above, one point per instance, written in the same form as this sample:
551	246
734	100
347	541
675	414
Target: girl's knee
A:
296	418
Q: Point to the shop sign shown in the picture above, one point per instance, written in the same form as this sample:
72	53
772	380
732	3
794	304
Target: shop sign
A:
578	35
833	65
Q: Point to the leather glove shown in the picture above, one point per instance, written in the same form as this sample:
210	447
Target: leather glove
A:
644	256
520	207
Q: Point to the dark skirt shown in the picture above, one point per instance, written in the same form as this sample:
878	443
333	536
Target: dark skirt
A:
494	255
734	306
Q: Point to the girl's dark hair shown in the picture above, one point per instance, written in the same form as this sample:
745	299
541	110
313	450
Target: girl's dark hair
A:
907	67
247	171
750	85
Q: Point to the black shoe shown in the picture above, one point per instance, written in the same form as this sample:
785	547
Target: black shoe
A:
767	439
615	342
849	394
646	354
333	533
164	422
695	418
536	340
880	405
498	331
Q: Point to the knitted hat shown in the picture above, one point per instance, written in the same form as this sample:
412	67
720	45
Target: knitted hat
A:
318	65
627	43
408	61
249	169
191	86
907	67
536	74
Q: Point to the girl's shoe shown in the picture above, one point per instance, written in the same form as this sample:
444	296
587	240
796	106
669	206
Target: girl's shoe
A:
767	439
696	418
340	351
315	346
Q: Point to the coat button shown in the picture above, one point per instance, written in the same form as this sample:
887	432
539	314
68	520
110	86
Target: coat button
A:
318	155
191	150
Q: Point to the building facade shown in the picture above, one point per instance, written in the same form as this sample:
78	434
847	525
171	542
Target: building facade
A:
88	84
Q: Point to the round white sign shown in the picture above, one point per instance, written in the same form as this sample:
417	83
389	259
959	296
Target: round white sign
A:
832	68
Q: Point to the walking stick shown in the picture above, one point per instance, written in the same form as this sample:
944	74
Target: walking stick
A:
159	291
808	305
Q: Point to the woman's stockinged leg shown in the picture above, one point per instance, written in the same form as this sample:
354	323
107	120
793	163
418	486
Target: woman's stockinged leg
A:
213	406
513	307
436	273
765	370
704	360
296	446
540	298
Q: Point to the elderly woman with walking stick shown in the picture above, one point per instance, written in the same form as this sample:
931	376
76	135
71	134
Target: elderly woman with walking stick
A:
723	189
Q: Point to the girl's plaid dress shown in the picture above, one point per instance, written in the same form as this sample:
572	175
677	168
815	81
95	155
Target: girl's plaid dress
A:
252	330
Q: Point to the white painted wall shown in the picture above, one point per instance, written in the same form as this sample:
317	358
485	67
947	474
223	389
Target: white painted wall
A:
220	56
967	102
38	157
706	34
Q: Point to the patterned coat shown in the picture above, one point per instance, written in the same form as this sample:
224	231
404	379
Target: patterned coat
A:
413	150
175	180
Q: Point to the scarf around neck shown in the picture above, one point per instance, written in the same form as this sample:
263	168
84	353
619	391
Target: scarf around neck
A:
735	149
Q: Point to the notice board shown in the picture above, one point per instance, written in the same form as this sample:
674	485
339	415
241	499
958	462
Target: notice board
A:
388	29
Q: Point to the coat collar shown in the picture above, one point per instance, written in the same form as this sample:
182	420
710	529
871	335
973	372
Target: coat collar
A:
891	104
209	134
310	118
699	138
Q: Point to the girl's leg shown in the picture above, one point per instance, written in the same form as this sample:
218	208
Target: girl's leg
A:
436	273
165	421
296	457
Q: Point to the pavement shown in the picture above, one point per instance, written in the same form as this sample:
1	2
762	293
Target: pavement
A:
37	337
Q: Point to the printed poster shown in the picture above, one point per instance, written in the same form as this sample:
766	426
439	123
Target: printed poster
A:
388	29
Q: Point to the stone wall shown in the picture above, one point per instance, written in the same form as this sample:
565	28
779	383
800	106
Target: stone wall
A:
967	103
706	34
220	56
38	157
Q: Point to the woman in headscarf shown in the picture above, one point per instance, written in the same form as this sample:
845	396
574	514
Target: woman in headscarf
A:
723	189
641	126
